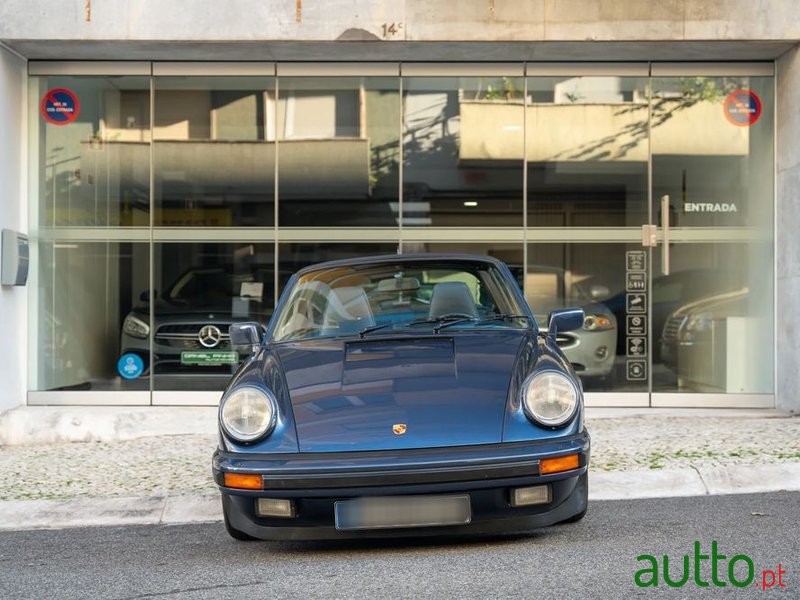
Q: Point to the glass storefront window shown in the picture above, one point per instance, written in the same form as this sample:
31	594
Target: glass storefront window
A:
463	147
92	170
339	151
591	276
338	157
716	172
713	170
587	151
214	152
712	319
86	321
200	288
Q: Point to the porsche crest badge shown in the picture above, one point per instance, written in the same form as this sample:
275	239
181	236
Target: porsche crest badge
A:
399	428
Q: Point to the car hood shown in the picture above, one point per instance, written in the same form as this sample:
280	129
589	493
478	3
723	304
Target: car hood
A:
447	390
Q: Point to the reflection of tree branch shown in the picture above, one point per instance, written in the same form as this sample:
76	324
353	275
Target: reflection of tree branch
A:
663	108
431	135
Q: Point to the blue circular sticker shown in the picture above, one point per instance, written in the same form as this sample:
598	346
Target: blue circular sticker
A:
130	365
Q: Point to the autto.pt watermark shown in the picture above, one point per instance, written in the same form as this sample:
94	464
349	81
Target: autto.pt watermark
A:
737	571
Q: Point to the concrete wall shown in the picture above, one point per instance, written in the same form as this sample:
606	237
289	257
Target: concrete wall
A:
400	20
13	189
788	242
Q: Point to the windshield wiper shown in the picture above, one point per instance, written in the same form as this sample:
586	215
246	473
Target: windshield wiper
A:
478	320
442	322
439	322
363	333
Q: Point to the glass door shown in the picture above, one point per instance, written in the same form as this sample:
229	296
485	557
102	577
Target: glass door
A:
587	163
711	290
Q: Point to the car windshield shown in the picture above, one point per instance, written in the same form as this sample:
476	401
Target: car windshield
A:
216	287
356	300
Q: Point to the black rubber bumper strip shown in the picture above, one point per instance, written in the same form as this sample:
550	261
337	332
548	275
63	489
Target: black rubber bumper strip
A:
386	477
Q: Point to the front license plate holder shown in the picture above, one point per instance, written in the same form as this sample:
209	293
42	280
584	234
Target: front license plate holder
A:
392	512
209	358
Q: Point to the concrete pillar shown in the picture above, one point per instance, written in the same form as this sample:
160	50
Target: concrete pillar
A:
788	240
13	215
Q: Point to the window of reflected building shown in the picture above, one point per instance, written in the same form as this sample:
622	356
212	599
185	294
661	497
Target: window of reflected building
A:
214	152
587	149
463	147
339	151
93	171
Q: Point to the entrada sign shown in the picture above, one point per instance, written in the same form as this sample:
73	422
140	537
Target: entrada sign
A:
712	207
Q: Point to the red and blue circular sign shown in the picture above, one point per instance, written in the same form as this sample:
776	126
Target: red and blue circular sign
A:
60	106
742	108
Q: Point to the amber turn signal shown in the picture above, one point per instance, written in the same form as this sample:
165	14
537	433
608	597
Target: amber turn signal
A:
556	465
243	481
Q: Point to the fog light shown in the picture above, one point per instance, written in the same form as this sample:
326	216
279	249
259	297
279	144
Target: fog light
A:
601	352
275	507
556	465
243	481
538	494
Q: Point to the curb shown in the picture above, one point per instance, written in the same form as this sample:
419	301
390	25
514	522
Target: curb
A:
96	512
176	510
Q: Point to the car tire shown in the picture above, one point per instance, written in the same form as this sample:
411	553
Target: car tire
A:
584	483
233	532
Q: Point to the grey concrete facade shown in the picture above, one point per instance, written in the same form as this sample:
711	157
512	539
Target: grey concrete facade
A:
414	20
402	30
13	215
787	243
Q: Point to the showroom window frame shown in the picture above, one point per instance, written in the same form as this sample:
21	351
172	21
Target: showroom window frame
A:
398	234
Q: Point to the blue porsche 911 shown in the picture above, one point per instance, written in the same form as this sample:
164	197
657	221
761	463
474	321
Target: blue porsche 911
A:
401	395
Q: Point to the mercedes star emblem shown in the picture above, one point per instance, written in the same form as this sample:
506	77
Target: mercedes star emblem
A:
209	336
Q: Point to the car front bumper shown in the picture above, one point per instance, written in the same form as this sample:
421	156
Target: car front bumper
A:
487	474
591	353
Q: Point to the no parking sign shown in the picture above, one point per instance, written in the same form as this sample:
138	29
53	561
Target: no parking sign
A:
60	106
742	108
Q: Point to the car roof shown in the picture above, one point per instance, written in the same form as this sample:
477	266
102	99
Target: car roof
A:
399	258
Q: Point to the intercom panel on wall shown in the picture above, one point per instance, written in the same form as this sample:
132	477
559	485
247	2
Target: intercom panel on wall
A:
15	258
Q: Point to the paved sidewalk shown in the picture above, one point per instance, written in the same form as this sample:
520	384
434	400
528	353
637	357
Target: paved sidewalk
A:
167	478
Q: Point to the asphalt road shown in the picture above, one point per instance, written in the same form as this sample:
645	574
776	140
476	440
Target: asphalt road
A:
596	558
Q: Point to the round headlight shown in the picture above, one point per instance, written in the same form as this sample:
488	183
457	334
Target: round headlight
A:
247	413
549	398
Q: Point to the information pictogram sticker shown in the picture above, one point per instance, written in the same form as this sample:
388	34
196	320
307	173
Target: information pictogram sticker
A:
637	346
635	281
60	106
637	370
742	108
636	303
636	325
635	260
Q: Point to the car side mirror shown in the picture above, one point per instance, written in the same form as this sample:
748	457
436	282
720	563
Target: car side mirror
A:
245	335
568	319
145	296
